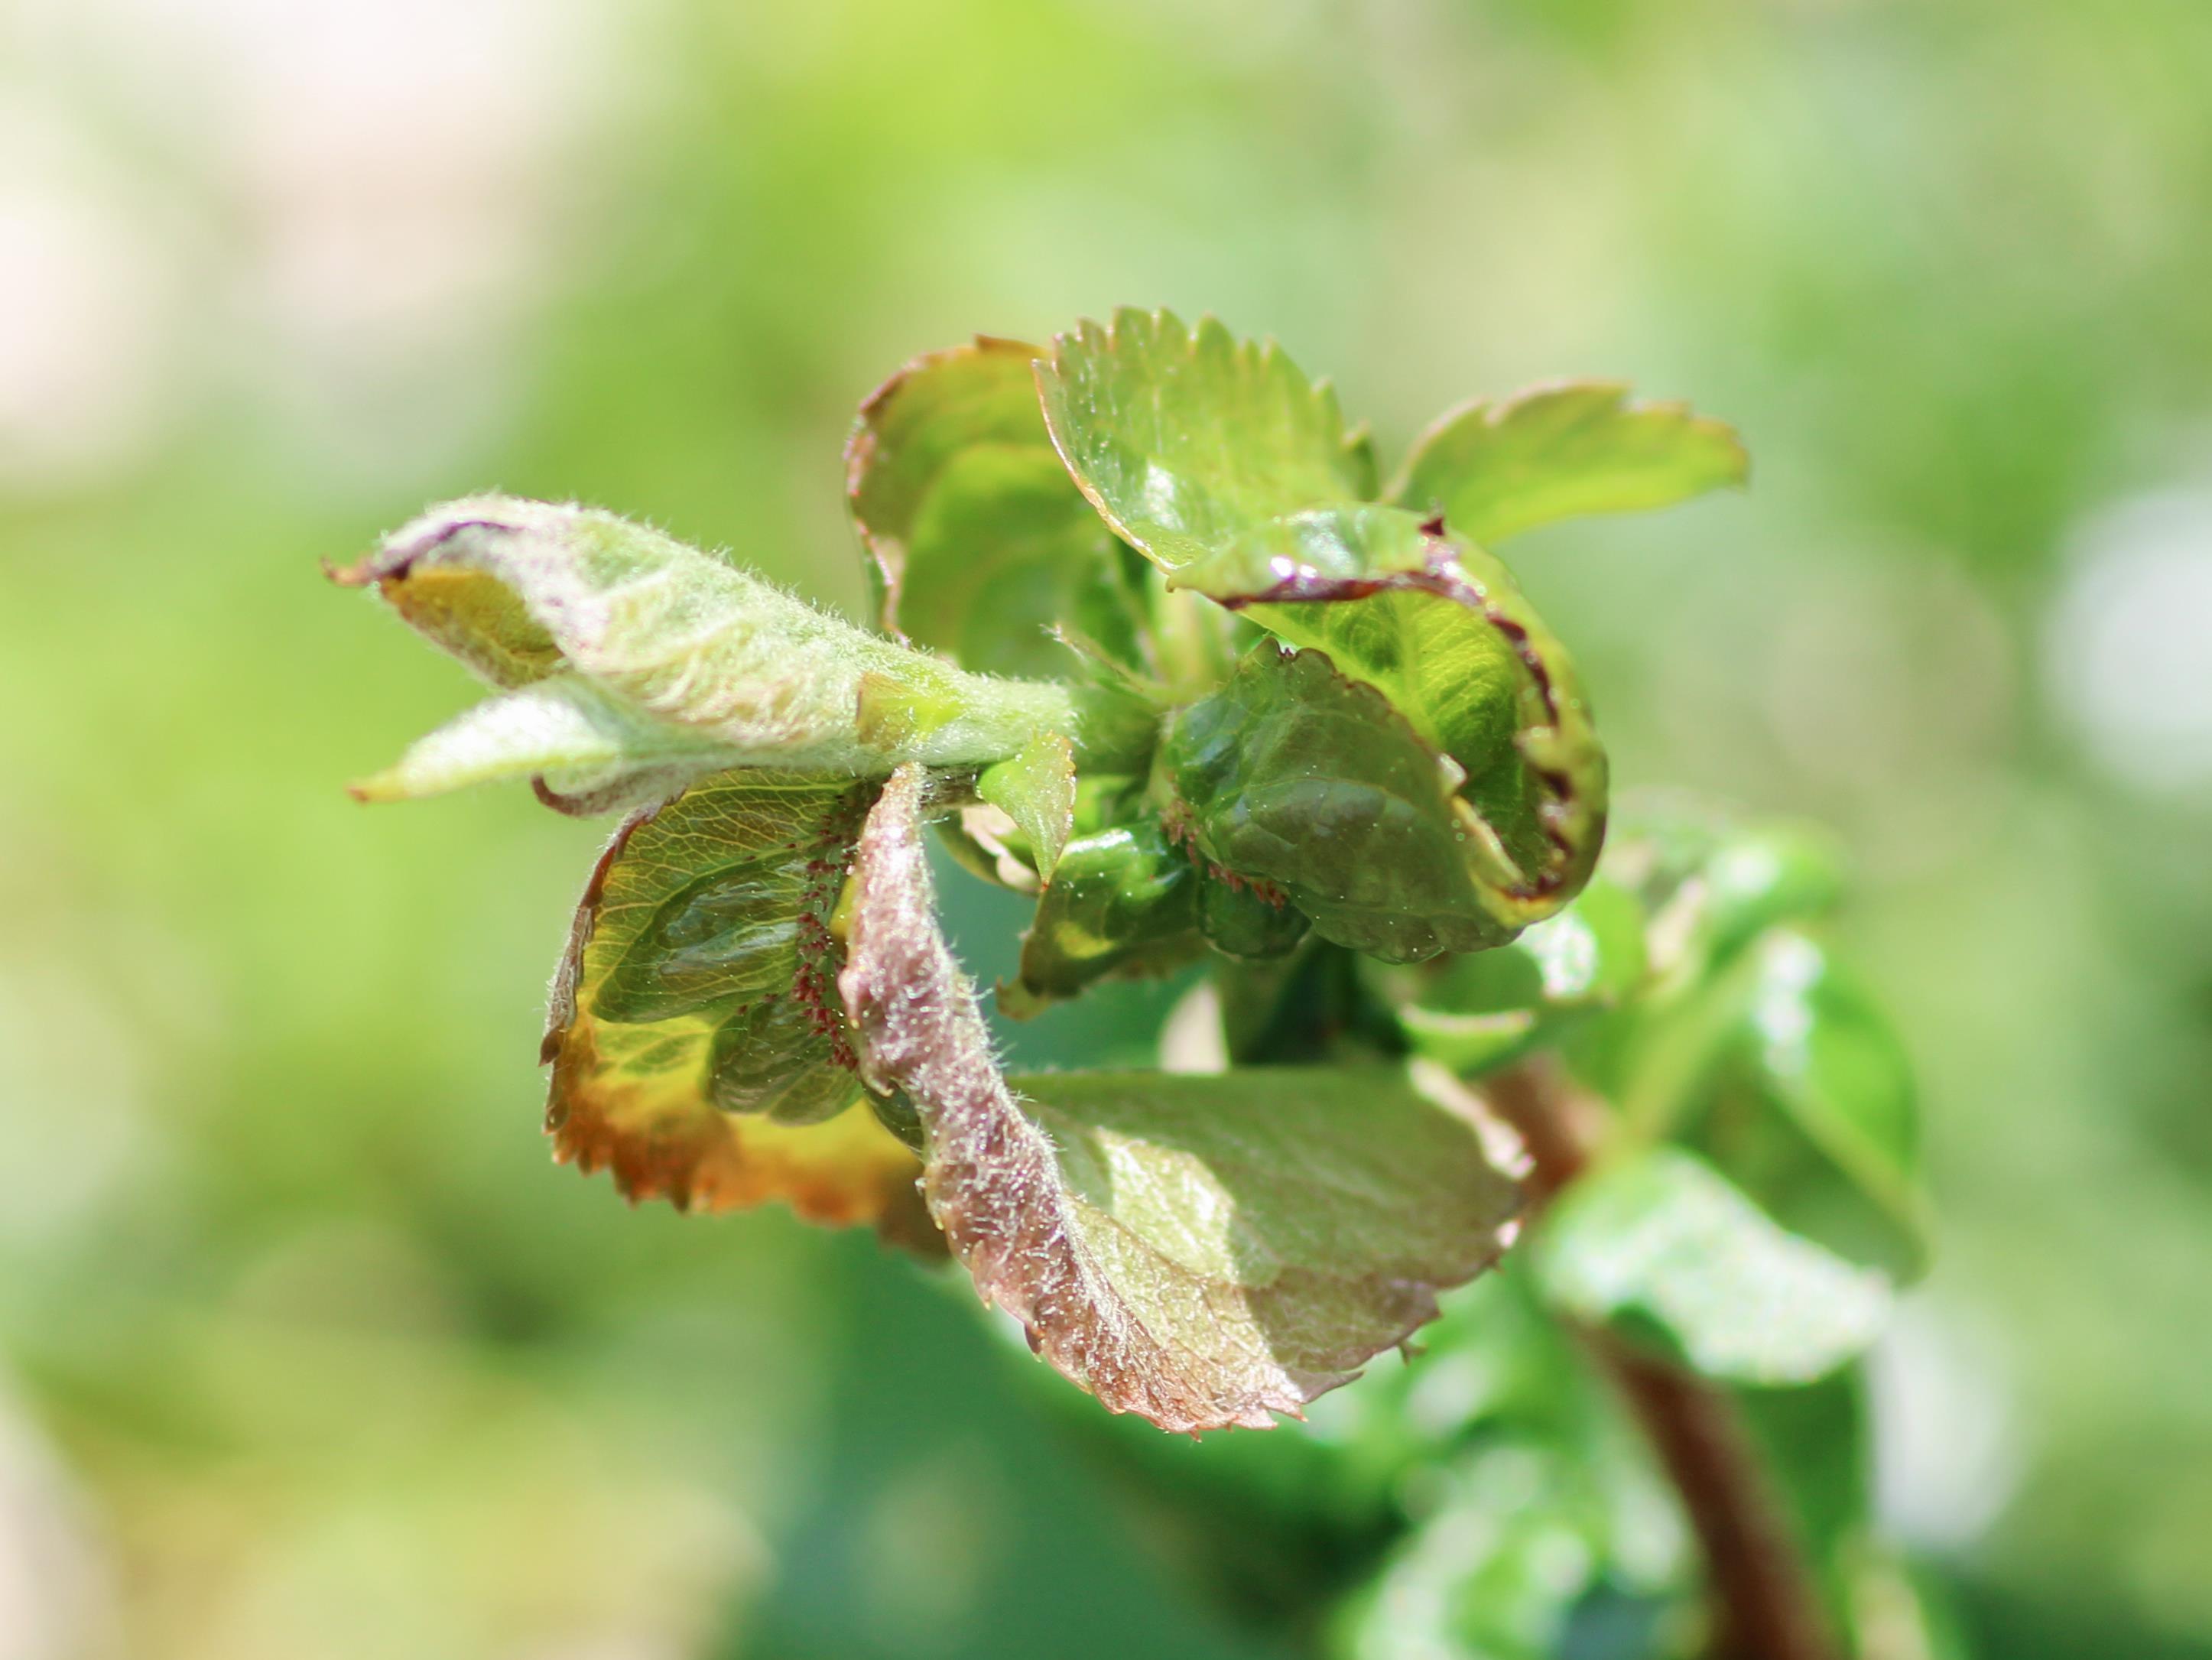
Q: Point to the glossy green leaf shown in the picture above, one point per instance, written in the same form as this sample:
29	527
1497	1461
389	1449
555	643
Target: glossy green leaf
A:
1222	464
690	656
696	1039
1202	1251
1662	1241
1816	1113
1035	788
1123	902
1515	1559
1713	884
1293	777
1493	469
1475	1012
981	543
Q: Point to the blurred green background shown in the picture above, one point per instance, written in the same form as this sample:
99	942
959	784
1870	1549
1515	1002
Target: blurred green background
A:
305	1349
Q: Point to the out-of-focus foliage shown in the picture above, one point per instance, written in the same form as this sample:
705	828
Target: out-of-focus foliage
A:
326	1360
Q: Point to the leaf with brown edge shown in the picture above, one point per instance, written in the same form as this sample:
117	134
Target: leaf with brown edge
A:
1493	468
1202	1251
697	1046
1234	474
979	542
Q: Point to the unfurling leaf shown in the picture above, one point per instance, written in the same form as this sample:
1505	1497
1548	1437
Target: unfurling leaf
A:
1123	902
1229	470
1659	1240
696	1041
1202	1251
581	744
981	543
1035	788
1493	469
1293	777
691	664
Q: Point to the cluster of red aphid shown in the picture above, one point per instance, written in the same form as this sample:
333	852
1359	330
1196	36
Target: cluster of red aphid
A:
814	985
1182	830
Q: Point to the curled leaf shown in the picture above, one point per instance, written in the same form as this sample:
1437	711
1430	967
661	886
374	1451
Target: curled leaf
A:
1222	464
1123	902
1035	788
696	1039
980	545
1296	778
690	654
575	739
1495	468
1203	1251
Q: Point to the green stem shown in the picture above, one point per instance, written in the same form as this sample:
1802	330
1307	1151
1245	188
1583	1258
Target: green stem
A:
1765	1605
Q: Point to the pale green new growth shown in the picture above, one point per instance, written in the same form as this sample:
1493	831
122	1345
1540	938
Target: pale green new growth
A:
696	665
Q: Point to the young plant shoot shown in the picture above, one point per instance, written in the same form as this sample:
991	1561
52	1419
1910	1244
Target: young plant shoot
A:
1158	644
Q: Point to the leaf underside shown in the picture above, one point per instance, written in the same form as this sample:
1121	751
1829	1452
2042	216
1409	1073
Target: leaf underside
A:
1204	1251
697	1045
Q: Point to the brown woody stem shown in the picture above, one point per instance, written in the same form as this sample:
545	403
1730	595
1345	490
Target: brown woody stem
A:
1764	1606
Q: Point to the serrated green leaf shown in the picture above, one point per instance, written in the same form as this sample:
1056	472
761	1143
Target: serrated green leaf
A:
1660	1241
683	648
1297	777
1223	465
1493	469
1184	438
695	1037
981	543
1035	788
1202	1251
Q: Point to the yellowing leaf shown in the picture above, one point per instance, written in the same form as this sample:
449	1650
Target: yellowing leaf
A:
698	1045
1202	1251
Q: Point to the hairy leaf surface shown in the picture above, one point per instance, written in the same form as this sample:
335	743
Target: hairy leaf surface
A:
680	640
696	1038
1495	468
1202	1251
